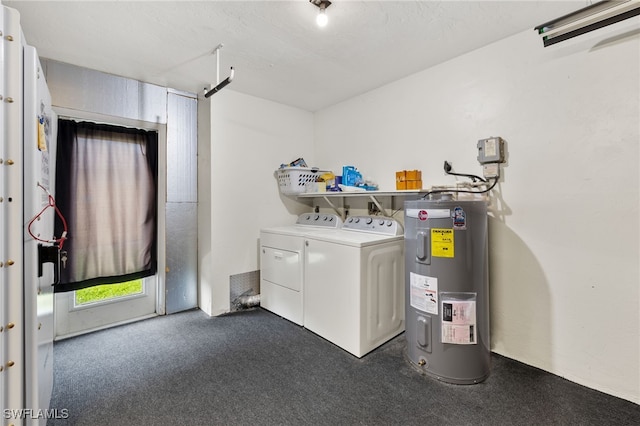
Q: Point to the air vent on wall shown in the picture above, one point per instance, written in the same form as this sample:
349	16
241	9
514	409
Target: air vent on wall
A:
587	19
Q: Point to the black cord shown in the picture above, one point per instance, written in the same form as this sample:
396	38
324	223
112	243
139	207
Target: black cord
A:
447	170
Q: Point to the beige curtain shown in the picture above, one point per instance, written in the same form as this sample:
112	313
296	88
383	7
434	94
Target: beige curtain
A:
106	187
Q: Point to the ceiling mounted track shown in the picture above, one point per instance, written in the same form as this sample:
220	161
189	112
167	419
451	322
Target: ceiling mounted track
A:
587	19
219	84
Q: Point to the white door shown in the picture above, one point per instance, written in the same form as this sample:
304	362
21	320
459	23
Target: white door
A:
74	316
39	162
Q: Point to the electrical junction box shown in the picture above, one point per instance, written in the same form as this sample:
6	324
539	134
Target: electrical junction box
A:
491	150
491	170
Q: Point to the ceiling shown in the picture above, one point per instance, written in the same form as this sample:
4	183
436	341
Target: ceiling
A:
275	47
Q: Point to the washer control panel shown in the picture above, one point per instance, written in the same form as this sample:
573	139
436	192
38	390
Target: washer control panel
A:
319	219
374	224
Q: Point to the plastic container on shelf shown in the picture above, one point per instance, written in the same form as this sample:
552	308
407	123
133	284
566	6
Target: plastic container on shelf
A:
298	180
351	176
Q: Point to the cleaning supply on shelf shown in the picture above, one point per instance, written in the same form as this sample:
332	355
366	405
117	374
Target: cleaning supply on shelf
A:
326	181
336	184
351	176
299	162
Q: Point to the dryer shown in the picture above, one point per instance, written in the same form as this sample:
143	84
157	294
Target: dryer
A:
354	283
282	263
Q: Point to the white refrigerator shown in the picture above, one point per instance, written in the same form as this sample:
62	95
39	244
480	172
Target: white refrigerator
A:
28	255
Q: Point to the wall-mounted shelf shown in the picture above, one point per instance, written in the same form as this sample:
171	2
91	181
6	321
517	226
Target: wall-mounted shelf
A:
372	195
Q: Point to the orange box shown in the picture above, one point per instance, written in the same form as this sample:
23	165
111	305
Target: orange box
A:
413	174
414	184
408	175
409	179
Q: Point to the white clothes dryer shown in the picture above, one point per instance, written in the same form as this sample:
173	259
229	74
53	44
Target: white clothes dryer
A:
354	283
282	263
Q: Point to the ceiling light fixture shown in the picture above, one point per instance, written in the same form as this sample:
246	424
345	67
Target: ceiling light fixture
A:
321	19
587	19
226	81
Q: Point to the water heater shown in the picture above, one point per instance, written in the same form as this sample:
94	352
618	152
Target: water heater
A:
447	290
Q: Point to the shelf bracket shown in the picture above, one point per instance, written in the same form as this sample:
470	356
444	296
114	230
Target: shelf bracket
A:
335	209
378	205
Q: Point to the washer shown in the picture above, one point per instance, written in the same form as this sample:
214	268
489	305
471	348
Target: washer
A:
282	263
354	283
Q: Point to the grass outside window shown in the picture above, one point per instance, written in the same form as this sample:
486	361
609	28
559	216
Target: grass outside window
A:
108	291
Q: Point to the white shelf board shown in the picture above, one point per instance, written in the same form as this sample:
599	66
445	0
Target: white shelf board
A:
330	194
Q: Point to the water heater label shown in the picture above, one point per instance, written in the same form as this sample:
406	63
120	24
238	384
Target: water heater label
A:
459	219
424	214
459	322
442	242
424	293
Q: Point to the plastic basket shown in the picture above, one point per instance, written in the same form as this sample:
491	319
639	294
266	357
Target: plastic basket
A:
297	180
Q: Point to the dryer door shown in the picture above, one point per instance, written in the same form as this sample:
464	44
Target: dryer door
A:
281	267
281	275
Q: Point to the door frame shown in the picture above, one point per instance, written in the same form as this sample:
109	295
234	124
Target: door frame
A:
161	129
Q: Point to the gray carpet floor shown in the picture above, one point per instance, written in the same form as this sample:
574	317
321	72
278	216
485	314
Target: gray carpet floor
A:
255	368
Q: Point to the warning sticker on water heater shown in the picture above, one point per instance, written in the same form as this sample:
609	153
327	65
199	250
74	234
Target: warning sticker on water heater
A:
442	242
424	293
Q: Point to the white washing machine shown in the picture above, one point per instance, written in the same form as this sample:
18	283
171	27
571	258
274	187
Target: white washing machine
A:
282	263
354	283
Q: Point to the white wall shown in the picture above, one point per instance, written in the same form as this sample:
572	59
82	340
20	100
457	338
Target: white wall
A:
564	234
238	193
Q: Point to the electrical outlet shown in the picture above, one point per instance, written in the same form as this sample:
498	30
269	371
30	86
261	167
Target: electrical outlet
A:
372	208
